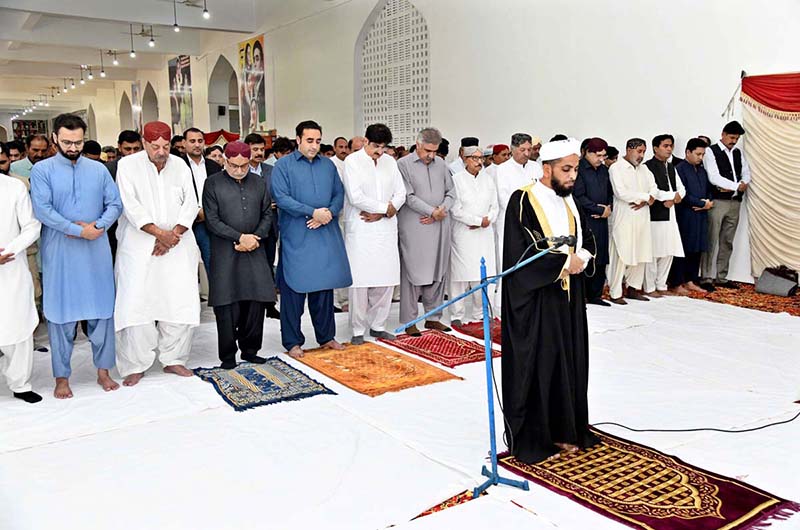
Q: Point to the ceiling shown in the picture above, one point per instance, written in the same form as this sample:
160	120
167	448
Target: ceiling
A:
46	41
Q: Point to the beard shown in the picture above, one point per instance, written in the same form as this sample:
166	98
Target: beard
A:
560	189
69	156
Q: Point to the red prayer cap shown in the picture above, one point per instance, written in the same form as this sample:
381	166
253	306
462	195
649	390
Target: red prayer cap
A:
237	148
498	148
156	129
596	145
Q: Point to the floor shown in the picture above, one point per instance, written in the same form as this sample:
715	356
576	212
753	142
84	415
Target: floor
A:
170	454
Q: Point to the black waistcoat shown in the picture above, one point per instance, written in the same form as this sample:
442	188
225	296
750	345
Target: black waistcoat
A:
665	177
726	171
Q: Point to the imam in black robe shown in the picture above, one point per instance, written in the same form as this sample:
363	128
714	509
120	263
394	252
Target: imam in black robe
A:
545	343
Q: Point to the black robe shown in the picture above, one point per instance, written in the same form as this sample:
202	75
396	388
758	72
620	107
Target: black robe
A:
545	343
233	208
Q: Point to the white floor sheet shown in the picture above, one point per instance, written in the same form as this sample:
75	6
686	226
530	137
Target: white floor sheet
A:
170	454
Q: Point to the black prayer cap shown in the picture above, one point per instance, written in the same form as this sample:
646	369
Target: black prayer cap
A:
733	127
90	147
470	141
444	147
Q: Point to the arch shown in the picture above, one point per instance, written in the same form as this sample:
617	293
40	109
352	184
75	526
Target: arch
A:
125	113
392	75
3	134
223	91
149	104
91	123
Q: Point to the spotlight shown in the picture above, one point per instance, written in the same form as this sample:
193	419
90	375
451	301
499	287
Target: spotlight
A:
133	54
206	14
176	28
151	43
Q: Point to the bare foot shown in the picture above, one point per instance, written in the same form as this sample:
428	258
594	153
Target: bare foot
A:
132	379
333	345
296	352
104	380
569	448
178	369
681	290
691	286
62	391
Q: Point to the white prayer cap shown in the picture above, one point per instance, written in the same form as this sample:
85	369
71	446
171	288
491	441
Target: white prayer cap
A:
535	140
560	149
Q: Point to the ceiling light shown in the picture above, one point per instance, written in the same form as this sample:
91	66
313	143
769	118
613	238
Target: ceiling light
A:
206	14
102	67
133	53
72	83
91	75
115	62
175	26
151	43
65	85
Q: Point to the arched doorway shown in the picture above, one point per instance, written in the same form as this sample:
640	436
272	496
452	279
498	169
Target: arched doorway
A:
91	123
223	97
125	113
149	104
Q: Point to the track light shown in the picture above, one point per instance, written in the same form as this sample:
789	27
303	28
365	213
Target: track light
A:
65	85
115	62
72	83
175	27
91	75
133	53
206	14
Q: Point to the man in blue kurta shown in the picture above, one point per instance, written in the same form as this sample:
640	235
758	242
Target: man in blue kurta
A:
313	260
76	201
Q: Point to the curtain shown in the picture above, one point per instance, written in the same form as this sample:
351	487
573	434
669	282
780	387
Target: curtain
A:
212	137
771	115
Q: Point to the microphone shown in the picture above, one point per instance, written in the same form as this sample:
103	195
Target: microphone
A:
557	241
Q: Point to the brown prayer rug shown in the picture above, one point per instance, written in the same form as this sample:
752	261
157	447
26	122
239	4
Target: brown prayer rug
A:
646	489
442	348
747	297
372	369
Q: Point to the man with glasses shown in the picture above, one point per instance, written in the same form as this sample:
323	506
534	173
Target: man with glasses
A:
515	173
424	228
238	210
76	200
158	297
374	192
37	146
474	212
594	194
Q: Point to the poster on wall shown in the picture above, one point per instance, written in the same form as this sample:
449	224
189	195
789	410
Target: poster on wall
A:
180	93
136	106
252	96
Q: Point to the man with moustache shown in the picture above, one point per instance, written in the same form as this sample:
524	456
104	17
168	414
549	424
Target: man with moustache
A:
158	297
545	338
37	148
76	200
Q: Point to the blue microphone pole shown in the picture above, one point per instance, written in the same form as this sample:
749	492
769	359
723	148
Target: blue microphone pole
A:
494	477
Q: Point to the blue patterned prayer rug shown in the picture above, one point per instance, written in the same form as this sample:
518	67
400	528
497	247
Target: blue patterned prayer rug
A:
252	385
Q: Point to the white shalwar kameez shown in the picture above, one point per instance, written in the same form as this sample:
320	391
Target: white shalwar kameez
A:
476	198
18	317
509	176
155	289
372	248
667	242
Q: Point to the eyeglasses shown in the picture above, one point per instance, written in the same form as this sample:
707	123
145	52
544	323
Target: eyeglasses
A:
67	143
477	158
238	167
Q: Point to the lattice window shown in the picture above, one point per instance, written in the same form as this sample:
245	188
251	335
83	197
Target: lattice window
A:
392	71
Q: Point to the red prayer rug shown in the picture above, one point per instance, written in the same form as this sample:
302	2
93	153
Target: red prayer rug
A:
747	297
646	489
475	329
441	348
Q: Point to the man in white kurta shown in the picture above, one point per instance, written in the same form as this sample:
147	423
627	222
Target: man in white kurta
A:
374	192
18	317
158	299
631	239
513	174
663	219
474	214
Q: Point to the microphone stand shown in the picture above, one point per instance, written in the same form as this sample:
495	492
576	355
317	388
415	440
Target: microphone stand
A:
494	477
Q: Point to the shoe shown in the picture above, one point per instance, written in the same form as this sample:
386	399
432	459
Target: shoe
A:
228	365
708	287
28	397
655	294
636	294
456	323
599	301
619	301
337	310
385	335
357	340
253	358
272	312
413	331
438	326
726	284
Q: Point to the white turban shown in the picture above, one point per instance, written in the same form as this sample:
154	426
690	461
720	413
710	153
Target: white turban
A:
559	149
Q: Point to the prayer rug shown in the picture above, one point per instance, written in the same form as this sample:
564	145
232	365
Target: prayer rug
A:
372	369
253	385
746	296
646	489
475	329
455	500
441	348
